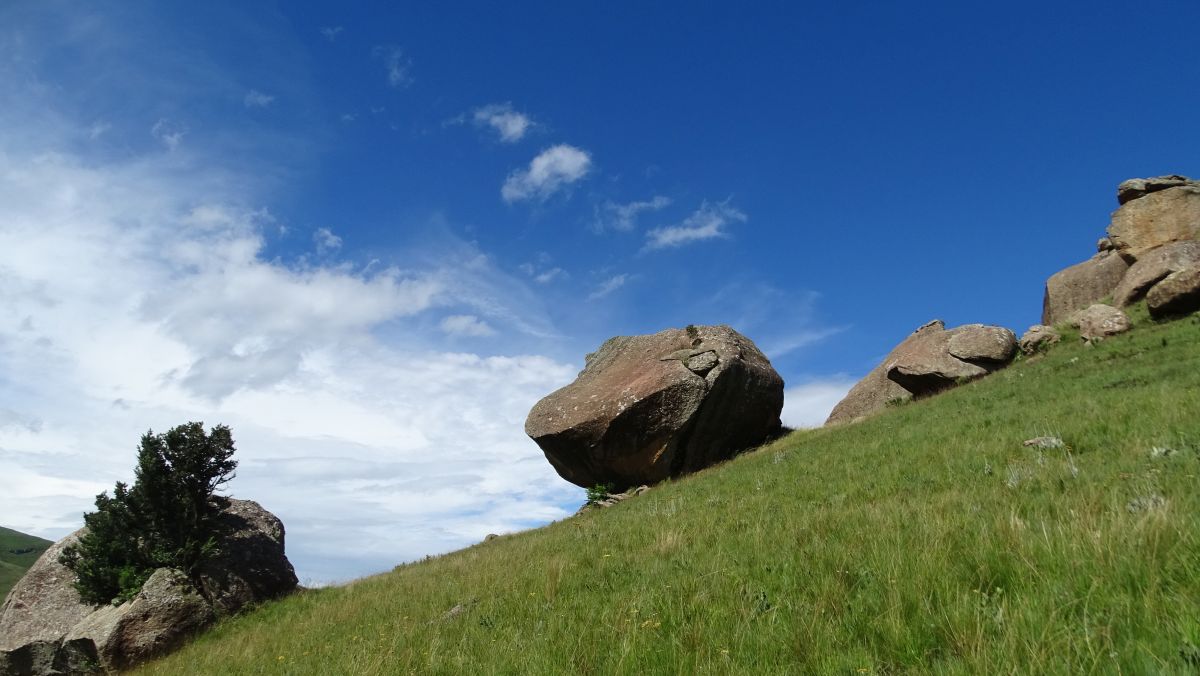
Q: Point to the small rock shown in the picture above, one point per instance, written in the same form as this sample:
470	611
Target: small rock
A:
1146	503
702	363
1177	294
489	537
1101	321
1104	244
1044	442
1039	337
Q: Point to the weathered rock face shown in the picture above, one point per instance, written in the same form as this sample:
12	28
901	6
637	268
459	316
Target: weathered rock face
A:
165	613
1153	266
1158	218
1178	294
1140	187
930	359
646	408
46	629
1100	321
1081	285
1038	337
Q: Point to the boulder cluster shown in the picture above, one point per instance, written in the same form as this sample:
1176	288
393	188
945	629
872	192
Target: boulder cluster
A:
1151	252
46	629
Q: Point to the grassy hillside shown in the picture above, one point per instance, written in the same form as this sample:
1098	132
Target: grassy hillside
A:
926	539
18	551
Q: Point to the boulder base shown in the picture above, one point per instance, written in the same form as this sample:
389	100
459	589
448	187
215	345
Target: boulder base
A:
1153	266
1081	285
646	408
1162	217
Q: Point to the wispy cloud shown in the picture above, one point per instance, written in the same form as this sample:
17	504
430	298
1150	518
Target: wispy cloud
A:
509	124
609	285
613	216
553	169
257	99
398	66
168	133
326	241
466	325
549	275
331	33
707	222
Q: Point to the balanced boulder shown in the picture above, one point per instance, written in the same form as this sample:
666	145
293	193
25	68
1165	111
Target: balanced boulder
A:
646	408
931	359
1177	294
1140	187
46	629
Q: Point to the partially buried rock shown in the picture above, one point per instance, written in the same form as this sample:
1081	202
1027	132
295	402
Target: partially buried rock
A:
1153	266
1178	294
1080	285
930	359
1100	321
1038	338
46	629
646	408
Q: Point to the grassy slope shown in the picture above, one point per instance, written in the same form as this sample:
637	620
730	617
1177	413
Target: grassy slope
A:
927	539
13	565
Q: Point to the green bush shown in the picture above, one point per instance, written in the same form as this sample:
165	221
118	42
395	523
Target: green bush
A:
598	492
167	519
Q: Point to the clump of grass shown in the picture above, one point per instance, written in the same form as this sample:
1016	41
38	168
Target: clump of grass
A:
878	547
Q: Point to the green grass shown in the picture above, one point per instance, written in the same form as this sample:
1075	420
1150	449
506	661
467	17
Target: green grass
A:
926	539
18	551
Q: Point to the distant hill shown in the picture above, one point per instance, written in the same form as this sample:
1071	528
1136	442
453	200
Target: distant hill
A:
18	551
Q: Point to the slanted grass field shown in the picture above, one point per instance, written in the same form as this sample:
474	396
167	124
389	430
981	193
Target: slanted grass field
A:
927	539
18	551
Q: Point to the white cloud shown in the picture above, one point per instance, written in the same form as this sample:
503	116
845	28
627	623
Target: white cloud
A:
549	275
808	405
508	123
98	129
331	33
707	222
611	215
552	170
133	296
398	66
609	285
326	241
257	99
169	133
466	325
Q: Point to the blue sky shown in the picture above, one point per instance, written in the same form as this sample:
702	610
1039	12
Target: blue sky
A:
370	238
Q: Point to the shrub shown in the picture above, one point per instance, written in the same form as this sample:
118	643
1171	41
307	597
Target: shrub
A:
167	519
598	492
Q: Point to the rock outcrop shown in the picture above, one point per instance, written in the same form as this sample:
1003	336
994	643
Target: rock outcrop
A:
1154	233
1100	321
646	408
1155	219
1081	285
1177	294
46	629
931	359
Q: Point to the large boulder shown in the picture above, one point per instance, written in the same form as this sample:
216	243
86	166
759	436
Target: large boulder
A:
46	629
646	408
1101	321
932	358
1081	285
1178	294
1154	265
1158	218
1140	187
